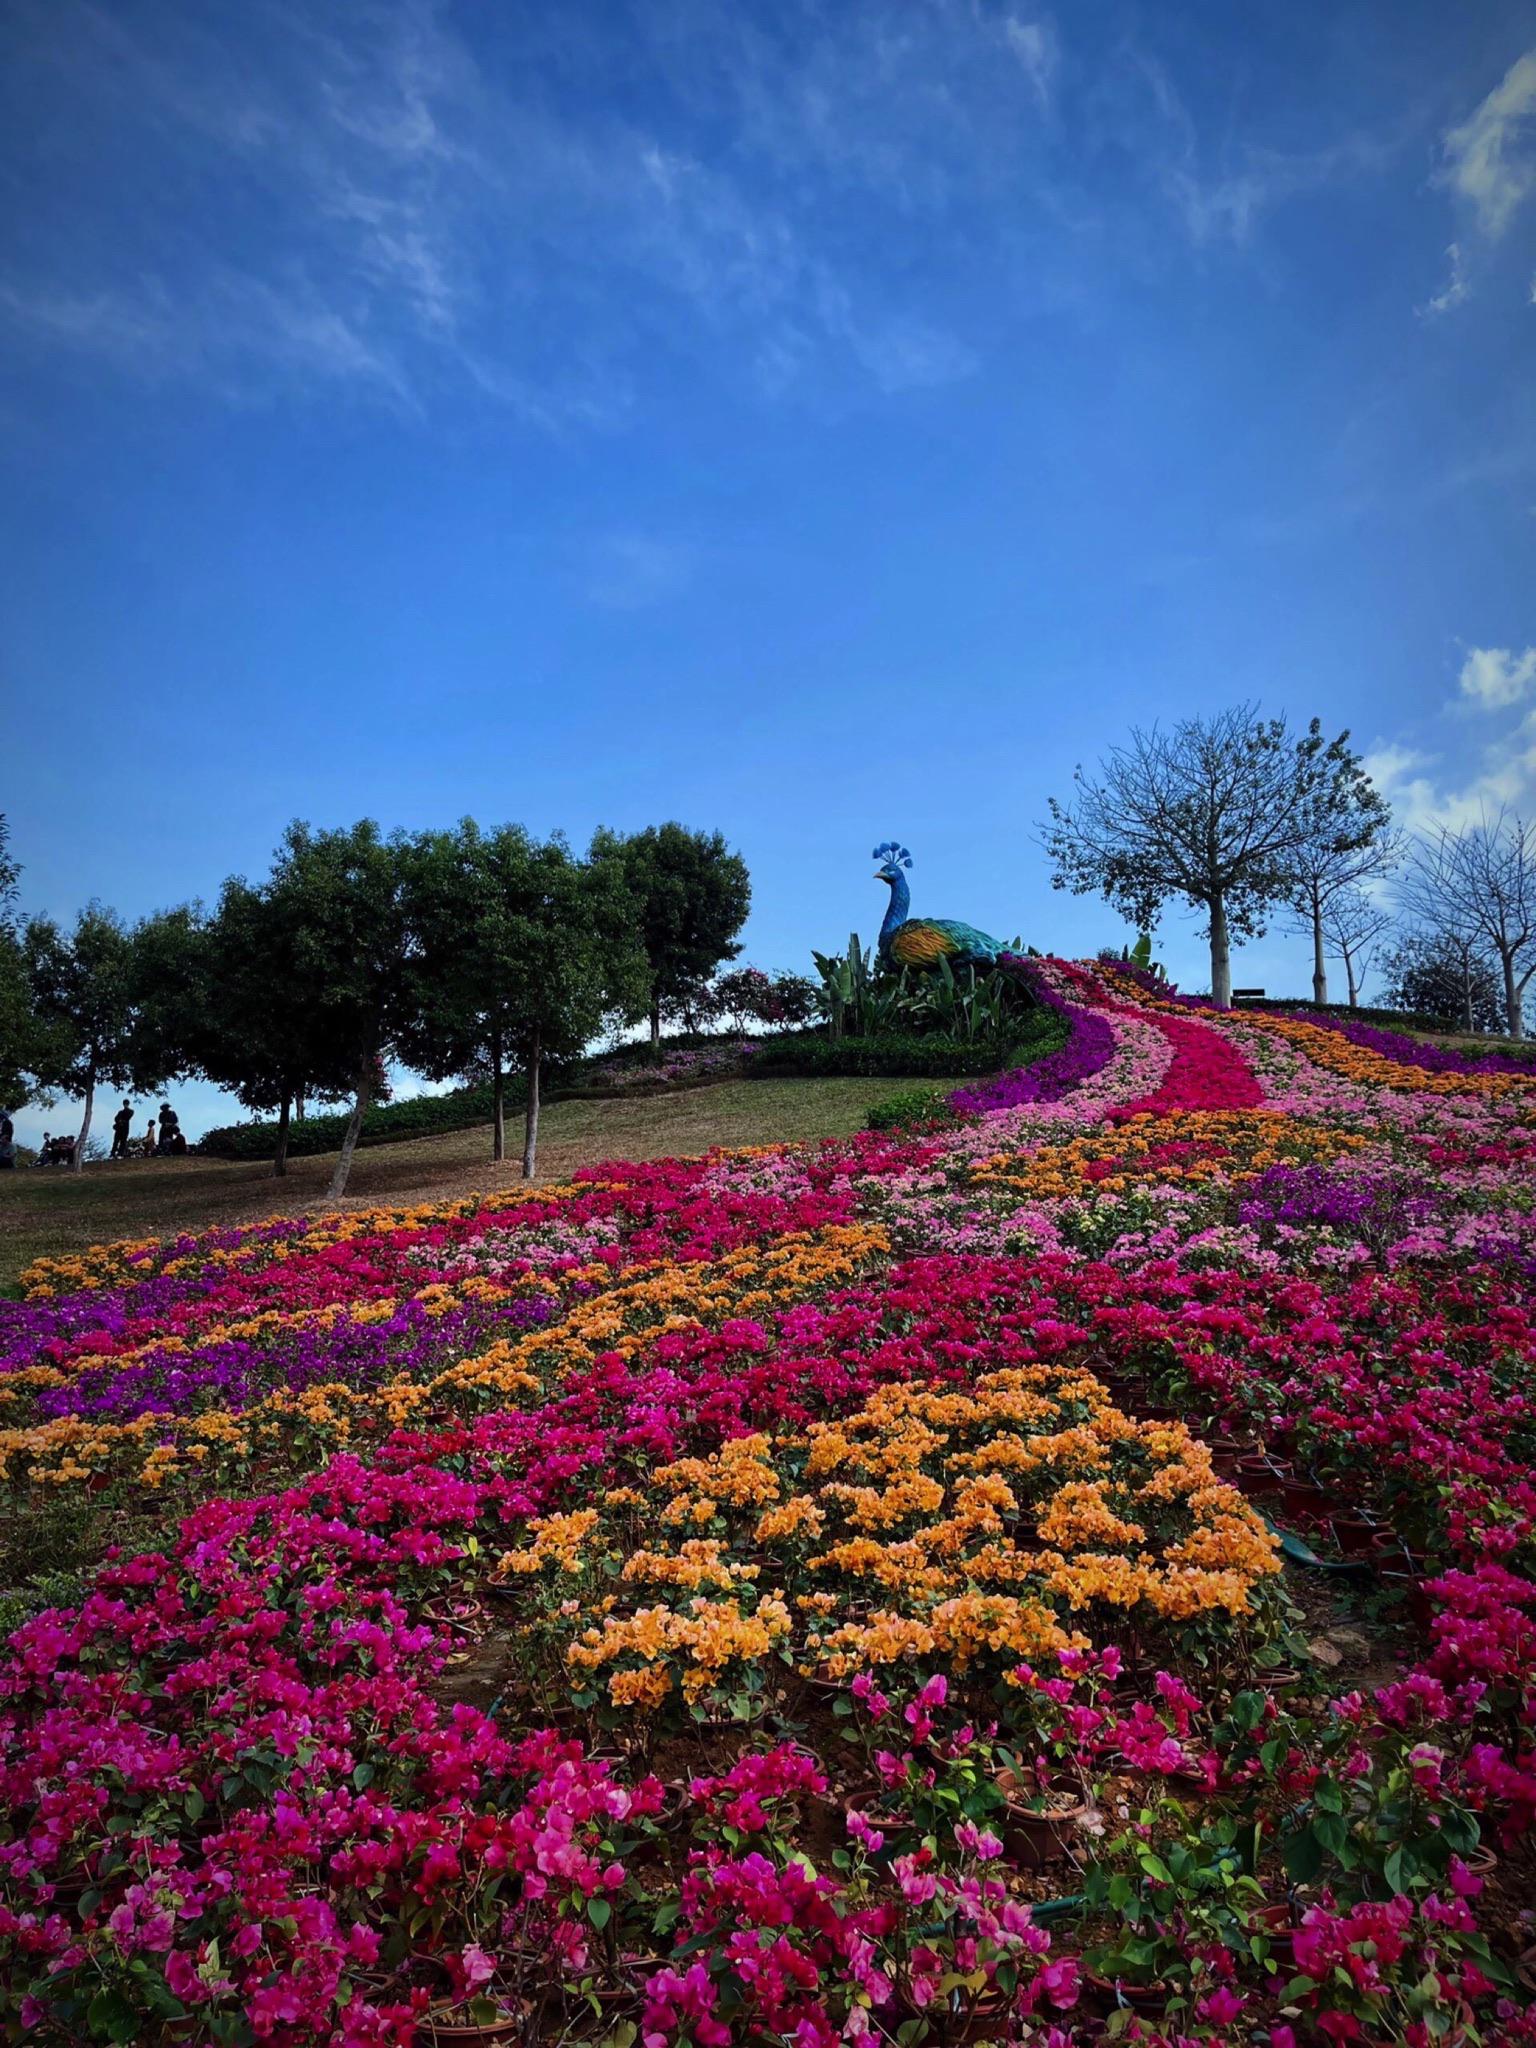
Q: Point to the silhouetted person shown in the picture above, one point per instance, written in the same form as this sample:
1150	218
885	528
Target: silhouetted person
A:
7	1145
170	1139
122	1124
149	1140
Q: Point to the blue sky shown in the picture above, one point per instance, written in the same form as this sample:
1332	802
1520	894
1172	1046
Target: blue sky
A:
827	422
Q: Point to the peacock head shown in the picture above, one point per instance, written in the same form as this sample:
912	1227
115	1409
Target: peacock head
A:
892	858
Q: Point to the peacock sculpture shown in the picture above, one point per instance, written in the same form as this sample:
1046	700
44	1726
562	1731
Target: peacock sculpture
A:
925	941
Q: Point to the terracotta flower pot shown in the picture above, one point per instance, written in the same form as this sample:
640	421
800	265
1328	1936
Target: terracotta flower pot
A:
1354	1534
1038	1831
451	2024
460	1614
1110	1992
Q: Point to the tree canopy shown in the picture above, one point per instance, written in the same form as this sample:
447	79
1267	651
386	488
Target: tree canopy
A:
1477	883
521	953
340	899
691	895
85	989
1211	812
1350	841
18	1025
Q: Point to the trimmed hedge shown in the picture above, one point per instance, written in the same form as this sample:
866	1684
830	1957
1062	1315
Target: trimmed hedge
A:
424	1116
1389	1020
897	1053
907	1054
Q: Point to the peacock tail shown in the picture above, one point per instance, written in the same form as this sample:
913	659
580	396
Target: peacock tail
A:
925	941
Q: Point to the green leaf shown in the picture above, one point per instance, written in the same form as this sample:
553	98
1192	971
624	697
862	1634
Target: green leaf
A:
110	2015
599	1912
362	1776
1303	1856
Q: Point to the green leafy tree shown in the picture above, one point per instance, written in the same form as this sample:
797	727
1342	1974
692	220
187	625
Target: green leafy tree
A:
343	905
260	1028
1351	840
468	894
580	961
173	990
1444	974
85	986
1213	812
692	895
18	1032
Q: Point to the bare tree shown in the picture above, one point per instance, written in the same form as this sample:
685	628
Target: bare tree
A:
1354	925
1213	812
1478	884
1352	842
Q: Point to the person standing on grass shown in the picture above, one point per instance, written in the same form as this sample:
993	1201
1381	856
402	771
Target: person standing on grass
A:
7	1145
149	1140
122	1124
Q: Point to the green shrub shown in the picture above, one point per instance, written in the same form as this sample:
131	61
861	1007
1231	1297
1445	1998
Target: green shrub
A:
927	1107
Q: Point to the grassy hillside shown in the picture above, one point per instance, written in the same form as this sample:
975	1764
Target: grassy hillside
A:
42	1212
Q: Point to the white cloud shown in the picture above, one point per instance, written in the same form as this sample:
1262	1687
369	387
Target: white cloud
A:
1491	156
1426	792
1034	44
1453	291
1494	677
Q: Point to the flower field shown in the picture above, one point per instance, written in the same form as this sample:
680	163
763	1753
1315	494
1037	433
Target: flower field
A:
1064	1575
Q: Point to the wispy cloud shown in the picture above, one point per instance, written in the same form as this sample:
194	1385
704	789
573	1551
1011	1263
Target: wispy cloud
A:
1453	291
391	199
1034	44
1490	158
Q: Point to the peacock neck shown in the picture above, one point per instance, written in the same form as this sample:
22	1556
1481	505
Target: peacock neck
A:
901	901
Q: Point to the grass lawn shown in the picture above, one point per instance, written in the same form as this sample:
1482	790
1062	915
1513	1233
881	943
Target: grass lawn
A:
53	1211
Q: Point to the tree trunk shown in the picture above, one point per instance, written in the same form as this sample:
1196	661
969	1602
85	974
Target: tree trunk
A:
298	1104
1319	959
77	1164
1221	955
1513	1017
531	1120
1349	976
655	1023
280	1156
498	1100
338	1185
